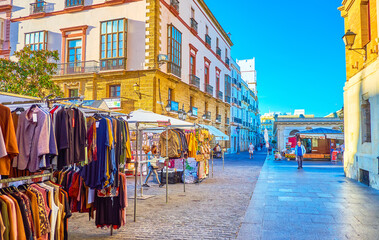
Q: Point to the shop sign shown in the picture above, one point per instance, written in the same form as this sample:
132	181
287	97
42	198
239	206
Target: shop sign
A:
163	123
174	106
194	111
113	103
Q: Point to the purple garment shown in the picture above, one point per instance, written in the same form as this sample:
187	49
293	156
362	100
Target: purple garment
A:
32	139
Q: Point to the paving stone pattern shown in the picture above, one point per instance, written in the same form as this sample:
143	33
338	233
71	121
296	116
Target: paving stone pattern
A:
316	202
213	209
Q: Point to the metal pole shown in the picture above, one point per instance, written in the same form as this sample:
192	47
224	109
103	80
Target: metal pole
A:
140	165
212	161
223	160
167	162
184	175
135	177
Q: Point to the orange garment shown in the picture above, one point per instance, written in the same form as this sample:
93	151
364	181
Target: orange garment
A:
34	207
192	145
2	228
12	217
10	140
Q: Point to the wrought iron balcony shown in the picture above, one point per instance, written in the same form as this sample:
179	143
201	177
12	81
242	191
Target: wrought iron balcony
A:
218	51
37	7
175	4
194	24
74	3
112	64
194	81
77	68
208	40
220	95
209	89
174	69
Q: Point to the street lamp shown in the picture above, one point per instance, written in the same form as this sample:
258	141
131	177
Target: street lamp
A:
184	113
349	39
204	116
136	88
180	114
168	106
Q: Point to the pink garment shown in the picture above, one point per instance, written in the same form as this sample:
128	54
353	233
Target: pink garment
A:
32	139
3	150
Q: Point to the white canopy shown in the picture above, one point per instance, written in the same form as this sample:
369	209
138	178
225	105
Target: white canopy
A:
217	133
150	120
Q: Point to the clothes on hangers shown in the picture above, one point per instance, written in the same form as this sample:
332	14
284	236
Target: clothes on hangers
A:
32	212
9	140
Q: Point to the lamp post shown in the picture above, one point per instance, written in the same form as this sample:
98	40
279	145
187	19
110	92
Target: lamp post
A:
238	139
184	113
168	106
349	39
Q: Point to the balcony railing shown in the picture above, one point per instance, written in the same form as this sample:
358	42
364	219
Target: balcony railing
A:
235	100
220	95
209	89
112	64
234	81
77	68
193	24
175	4
208	40
227	99
37	7
194	81
227	61
218	118
174	69
218	51
74	3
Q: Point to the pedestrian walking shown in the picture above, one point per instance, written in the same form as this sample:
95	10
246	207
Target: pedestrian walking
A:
151	165
299	151
251	150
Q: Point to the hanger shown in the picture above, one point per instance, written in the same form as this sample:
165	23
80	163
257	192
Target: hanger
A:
19	109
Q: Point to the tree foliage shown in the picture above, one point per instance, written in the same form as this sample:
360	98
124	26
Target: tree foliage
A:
31	74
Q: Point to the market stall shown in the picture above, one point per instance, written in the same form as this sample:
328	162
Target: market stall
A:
45	137
319	143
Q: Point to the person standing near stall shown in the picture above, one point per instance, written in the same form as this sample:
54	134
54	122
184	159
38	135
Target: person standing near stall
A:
152	166
299	151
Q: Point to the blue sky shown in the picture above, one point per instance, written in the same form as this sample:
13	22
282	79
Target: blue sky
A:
300	56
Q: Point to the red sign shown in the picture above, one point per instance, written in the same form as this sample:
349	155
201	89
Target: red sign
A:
163	123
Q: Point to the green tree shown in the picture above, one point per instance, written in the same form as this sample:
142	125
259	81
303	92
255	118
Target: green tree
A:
31	74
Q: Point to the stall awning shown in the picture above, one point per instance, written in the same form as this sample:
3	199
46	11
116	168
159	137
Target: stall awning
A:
215	132
322	133
147	120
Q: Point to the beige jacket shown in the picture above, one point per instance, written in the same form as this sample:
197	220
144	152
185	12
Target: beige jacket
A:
173	144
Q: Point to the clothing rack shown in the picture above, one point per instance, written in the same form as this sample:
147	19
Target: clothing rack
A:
8	180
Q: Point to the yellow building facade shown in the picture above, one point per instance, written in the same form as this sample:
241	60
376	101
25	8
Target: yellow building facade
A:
144	54
361	91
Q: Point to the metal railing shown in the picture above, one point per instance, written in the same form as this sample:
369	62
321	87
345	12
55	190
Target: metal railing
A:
112	64
209	89
194	24
174	69
208	40
195	81
220	95
218	51
234	100
227	61
175	4
74	3
227	99
77	68
234	81
37	7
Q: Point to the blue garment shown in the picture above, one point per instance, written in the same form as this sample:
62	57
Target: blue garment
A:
299	151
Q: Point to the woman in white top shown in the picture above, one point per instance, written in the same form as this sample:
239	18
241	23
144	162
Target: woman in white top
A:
251	150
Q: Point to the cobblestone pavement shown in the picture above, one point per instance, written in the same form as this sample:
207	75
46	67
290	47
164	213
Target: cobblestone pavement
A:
213	209
316	202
